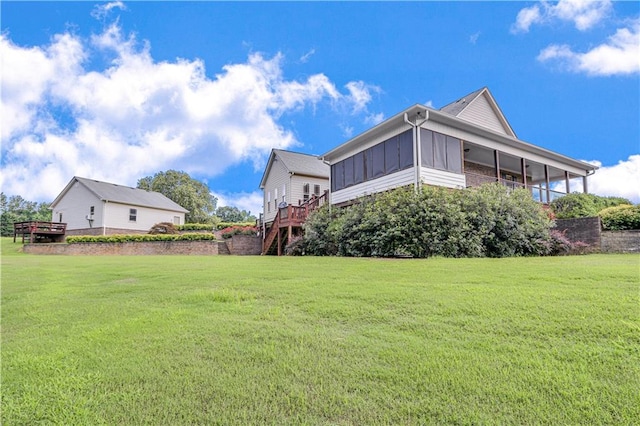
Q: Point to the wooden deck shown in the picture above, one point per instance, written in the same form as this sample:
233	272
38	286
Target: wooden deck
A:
40	231
288	223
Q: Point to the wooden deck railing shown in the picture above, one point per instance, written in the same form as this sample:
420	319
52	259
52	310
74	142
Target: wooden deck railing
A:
292	216
35	229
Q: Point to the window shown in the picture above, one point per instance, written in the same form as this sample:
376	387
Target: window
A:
305	192
377	154
275	195
133	215
439	151
91	210
358	169
284	192
337	178
454	156
316	190
176	220
60	217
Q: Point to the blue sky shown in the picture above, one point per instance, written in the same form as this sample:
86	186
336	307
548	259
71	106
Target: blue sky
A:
119	91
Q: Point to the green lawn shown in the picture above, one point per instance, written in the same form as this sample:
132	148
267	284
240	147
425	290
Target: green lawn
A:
291	340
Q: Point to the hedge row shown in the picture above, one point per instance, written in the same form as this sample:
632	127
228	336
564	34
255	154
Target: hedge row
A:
238	230
489	221
223	225
620	218
137	238
195	227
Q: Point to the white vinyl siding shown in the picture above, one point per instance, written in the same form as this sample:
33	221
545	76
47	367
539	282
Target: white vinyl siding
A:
117	216
435	177
278	177
384	183
296	189
481	113
75	206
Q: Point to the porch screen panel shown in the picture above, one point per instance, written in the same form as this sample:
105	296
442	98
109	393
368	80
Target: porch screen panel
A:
377	152
391	155
405	145
358	168
368	164
338	176
439	151
348	172
454	158
426	147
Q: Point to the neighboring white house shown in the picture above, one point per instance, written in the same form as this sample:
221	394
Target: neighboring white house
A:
91	207
466	143
291	178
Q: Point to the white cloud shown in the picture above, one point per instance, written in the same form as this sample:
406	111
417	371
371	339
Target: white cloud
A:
305	58
473	38
619	55
620	180
100	11
249	201
583	13
139	116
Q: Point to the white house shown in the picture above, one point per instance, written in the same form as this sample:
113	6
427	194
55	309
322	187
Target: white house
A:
466	143
91	207
291	178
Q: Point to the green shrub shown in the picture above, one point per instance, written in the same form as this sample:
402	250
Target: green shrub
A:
195	227
622	217
223	225
577	205
488	221
137	238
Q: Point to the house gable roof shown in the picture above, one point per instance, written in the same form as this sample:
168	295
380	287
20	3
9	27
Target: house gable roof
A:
296	163
123	195
480	108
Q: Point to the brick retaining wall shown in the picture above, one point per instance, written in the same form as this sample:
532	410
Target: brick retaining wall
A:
130	248
245	245
620	242
584	229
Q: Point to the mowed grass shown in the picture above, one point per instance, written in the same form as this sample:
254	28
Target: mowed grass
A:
291	340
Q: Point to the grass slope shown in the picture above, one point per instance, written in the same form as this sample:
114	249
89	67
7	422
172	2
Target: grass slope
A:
254	340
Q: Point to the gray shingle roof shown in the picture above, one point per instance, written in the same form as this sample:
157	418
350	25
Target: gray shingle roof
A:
127	195
455	108
304	164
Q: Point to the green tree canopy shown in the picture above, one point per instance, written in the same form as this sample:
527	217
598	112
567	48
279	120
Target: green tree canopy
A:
16	209
183	189
583	205
234	214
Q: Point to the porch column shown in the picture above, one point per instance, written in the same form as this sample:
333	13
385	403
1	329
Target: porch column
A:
568	186
523	170
546	179
496	161
584	185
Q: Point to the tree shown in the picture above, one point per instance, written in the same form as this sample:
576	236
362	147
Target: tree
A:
183	189
234	214
583	205
17	209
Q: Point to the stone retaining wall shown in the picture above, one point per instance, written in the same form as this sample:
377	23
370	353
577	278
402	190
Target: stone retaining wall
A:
620	242
129	248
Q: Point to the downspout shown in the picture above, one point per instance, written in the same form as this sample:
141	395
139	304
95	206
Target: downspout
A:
104	216
330	193
417	151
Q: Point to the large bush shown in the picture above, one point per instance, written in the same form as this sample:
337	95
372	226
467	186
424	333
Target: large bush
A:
487	221
620	217
583	205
